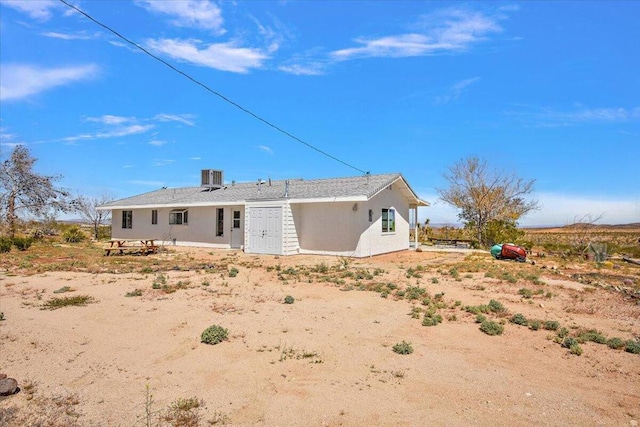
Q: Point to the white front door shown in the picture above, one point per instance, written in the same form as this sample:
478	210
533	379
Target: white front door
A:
236	229
265	230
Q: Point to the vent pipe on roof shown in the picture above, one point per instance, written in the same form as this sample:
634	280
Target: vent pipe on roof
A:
286	189
368	176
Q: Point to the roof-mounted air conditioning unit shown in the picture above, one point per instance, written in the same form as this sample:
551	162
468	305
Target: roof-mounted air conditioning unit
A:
212	179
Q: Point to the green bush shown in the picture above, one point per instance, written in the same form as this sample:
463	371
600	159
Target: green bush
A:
519	319
233	272
615	343
534	325
289	299
403	348
551	325
632	346
569	342
480	318
431	319
490	327
214	334
526	293
496	306
22	243
575	349
593	336
5	244
73	235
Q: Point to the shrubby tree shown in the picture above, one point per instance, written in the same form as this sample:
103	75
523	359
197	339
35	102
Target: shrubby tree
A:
23	190
87	207
488	199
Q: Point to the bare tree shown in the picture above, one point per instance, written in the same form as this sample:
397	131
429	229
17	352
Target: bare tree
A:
21	189
486	196
582	230
87	207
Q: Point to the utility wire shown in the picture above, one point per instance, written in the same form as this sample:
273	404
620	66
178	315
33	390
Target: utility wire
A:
207	88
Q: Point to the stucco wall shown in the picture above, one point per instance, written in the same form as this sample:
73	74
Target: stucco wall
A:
201	227
344	229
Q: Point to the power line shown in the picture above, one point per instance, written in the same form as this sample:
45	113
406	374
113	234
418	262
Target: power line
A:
207	88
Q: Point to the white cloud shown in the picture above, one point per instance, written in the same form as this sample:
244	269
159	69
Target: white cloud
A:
69	36
21	81
40	10
221	56
310	69
550	117
188	13
182	118
108	119
265	148
161	162
455	91
157	142
195	158
450	30
125	131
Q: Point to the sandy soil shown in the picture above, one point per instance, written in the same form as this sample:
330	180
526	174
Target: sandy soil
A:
325	360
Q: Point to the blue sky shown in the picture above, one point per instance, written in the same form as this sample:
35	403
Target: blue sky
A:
550	90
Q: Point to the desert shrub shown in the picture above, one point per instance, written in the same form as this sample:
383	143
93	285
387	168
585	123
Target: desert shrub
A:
77	300
534	325
414	292
5	244
233	272
496	306
403	348
289	299
73	235
551	325
569	341
593	336
1	316
214	334
519	319
134	293
575	349
632	346
526	293
431	319
563	333
22	243
615	343
480	318
63	289
490	327
183	412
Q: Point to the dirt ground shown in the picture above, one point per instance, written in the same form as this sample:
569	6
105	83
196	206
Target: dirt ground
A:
326	359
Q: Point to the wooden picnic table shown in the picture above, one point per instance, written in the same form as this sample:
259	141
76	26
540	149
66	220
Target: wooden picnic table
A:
450	242
122	246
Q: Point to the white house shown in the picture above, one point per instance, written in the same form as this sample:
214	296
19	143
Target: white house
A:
355	216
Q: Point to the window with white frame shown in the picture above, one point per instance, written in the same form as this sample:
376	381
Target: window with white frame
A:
179	217
154	216
388	220
127	219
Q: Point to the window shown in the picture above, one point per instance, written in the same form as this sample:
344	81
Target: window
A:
236	219
127	219
388	220
179	217
154	216
220	222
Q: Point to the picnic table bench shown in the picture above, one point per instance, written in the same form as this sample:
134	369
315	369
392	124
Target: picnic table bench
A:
122	246
450	242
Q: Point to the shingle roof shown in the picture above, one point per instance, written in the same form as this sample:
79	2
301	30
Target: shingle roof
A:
298	190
